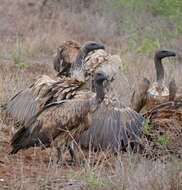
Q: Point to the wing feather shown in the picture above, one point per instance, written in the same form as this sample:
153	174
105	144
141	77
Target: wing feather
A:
138	99
113	128
51	122
21	107
44	90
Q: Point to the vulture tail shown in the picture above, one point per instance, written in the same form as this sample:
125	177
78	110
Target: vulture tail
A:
26	137
18	138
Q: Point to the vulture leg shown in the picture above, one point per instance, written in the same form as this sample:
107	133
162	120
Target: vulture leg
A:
60	158
135	148
73	156
129	148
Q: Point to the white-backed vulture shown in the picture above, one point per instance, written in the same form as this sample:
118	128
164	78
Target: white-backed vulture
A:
115	125
122	126
61	120
149	95
98	60
45	90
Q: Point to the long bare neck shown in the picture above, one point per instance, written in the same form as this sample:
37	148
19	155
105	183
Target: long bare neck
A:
159	71
77	67
99	89
80	57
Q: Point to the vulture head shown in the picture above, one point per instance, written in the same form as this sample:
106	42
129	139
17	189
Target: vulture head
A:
160	54
98	80
99	77
77	69
90	46
65	57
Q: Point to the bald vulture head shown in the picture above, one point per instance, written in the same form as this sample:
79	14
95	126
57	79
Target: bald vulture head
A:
159	55
90	46
62	62
77	69
99	77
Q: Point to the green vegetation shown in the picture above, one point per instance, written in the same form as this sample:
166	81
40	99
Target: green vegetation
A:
17	56
168	8
3	66
93	179
148	24
21	64
146	126
162	140
90	176
124	65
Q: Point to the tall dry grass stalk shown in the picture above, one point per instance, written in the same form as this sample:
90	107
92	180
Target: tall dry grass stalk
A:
40	32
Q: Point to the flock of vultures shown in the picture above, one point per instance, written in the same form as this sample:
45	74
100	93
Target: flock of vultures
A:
82	106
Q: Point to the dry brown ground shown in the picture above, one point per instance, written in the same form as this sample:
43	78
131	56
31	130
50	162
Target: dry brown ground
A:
30	36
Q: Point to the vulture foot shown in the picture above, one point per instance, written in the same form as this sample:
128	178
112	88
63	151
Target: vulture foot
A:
72	162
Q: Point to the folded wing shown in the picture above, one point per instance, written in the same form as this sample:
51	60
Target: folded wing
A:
113	127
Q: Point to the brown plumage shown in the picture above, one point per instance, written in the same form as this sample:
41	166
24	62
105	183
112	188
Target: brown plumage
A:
62	120
121	125
45	90
172	90
66	54
139	96
148	96
42	92
114	127
98	60
165	131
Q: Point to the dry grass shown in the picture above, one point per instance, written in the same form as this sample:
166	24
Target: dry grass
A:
30	36
34	169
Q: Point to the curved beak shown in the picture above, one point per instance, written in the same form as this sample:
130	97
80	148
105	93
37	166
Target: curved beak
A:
171	53
99	46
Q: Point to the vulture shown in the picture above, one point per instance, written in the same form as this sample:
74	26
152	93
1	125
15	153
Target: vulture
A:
115	126
148	95
65	56
122	126
97	60
44	90
61	121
